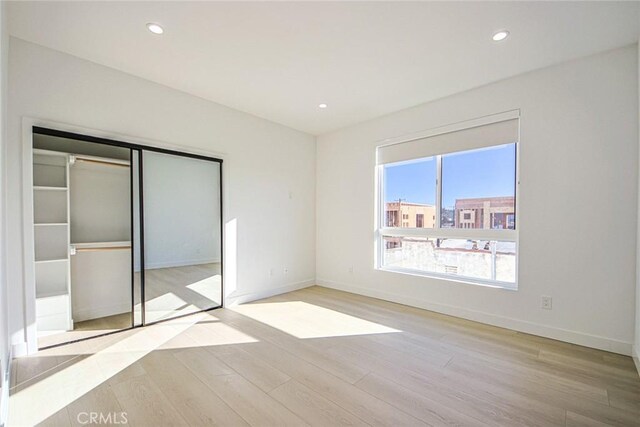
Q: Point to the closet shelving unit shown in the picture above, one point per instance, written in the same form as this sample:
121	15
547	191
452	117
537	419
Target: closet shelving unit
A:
52	236
81	220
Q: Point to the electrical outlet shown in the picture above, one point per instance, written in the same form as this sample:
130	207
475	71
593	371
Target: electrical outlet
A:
350	269
546	302
271	272
286	270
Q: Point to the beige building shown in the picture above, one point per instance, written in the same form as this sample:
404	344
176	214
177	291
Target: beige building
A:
409	215
485	213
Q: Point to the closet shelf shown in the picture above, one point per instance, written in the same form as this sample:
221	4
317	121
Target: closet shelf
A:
51	241
52	294
102	246
52	260
50	153
94	245
44	188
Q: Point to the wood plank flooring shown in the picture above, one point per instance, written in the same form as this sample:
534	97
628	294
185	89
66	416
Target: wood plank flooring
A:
320	357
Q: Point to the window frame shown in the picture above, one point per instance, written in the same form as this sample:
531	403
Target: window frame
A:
508	235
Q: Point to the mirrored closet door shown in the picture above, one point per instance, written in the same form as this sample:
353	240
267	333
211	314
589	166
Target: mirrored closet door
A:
182	235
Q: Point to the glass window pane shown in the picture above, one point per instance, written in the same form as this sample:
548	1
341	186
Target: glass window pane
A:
473	259
410	194
478	188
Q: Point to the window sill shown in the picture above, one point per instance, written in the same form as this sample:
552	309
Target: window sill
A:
452	278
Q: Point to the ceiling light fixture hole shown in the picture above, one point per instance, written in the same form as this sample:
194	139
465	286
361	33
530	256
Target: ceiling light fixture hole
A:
500	35
155	28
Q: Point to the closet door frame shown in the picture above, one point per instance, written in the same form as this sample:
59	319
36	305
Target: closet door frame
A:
34	126
138	153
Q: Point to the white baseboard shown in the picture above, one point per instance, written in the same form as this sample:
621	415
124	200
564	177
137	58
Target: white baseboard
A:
80	315
232	300
19	349
636	357
4	403
169	264
574	337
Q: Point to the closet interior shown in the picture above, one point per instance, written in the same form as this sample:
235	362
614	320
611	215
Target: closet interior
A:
82	239
123	236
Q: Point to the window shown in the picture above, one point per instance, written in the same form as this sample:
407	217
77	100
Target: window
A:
468	196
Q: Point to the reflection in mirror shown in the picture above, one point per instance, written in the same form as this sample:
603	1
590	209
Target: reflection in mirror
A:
182	235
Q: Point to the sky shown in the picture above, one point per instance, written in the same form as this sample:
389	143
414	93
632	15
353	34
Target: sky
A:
478	173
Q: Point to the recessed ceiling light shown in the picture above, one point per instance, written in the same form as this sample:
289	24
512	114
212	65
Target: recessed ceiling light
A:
155	28
500	35
322	105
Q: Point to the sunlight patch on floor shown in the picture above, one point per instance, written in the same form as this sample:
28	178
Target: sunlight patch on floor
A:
166	306
208	288
207	335
304	320
166	301
37	400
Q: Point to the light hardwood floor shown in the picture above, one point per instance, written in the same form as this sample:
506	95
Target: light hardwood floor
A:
323	357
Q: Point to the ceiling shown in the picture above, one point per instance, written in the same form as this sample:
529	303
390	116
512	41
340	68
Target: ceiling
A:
364	59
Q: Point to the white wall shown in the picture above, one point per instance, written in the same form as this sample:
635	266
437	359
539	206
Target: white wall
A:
578	203
99	203
269	170
4	332
636	347
182	211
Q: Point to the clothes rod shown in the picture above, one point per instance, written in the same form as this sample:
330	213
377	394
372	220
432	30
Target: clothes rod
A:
100	161
111	248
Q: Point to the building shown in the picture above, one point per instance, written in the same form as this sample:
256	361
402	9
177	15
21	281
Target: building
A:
485	212
409	215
